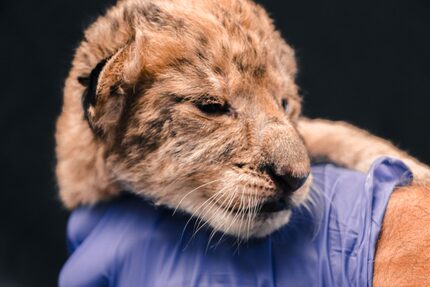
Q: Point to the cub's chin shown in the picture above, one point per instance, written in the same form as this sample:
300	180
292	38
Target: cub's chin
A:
243	212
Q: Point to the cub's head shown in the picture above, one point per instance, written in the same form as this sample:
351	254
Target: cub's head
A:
191	104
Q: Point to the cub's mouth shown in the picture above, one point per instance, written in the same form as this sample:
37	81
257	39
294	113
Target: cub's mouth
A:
267	207
252	202
274	205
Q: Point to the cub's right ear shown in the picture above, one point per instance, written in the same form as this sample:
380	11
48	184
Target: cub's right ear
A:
104	96
90	82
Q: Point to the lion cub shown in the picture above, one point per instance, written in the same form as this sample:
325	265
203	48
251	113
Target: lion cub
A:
193	104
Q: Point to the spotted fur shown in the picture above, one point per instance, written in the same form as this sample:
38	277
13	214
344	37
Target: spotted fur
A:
139	106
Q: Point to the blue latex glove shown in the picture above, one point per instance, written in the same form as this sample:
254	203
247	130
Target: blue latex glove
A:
129	242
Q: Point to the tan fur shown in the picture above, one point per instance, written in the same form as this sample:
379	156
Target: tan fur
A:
147	135
403	252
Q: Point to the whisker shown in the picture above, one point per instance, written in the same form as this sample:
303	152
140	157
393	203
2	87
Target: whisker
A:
249	215
208	206
195	189
241	218
228	212
195	213
214	205
225	213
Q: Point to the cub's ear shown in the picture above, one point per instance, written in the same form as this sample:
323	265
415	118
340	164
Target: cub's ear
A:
104	97
90	82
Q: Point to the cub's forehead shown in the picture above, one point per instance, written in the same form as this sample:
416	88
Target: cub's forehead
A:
229	44
210	38
239	22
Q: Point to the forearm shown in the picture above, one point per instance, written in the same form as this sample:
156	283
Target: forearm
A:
403	252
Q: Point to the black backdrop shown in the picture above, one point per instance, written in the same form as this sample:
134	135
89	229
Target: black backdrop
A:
366	62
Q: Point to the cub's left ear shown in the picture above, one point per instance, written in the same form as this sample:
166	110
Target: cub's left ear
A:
104	96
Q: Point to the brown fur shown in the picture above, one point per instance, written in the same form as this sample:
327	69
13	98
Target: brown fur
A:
146	134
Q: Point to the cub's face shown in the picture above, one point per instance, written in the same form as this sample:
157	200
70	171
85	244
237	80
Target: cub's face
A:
196	109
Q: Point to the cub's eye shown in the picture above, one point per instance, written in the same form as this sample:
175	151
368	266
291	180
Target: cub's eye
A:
212	108
285	105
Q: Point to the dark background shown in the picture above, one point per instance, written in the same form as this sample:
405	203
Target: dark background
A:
366	62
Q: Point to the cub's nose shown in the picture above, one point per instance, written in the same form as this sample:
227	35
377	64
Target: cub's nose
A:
286	182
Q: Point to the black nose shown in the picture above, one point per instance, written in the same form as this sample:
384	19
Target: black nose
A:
286	182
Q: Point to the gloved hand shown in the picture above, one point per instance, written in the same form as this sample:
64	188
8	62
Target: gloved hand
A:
129	242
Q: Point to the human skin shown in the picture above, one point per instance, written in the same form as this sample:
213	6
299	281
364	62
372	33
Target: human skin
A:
403	250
